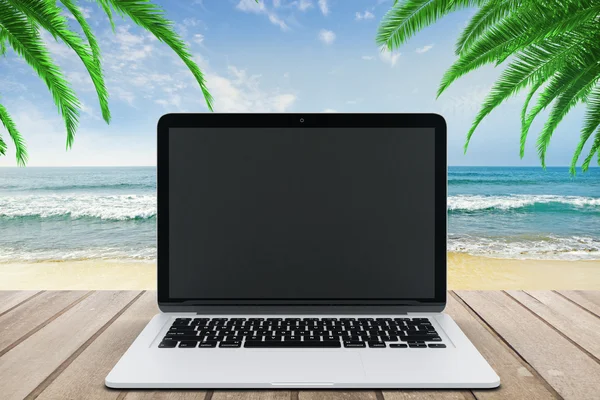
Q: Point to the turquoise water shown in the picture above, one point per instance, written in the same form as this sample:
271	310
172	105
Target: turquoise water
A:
110	213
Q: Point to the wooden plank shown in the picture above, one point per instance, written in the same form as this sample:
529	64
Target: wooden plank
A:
571	372
518	380
36	360
252	395
10	299
34	314
578	325
337	395
428	395
84	377
165	395
590	300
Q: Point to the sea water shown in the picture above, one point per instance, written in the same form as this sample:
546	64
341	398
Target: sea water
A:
110	213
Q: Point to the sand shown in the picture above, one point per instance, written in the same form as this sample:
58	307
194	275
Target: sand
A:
464	272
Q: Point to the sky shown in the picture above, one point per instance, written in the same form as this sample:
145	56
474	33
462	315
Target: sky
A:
276	56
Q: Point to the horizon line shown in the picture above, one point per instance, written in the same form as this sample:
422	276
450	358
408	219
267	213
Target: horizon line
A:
154	166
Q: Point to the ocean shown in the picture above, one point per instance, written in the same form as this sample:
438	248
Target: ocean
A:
50	214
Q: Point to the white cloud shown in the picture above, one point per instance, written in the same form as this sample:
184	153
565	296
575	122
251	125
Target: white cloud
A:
329	110
367	58
324	7
198	38
303	5
327	37
389	57
241	92
366	15
276	3
251	6
286	75
424	49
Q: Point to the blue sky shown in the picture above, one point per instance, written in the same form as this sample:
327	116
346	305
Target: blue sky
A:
279	56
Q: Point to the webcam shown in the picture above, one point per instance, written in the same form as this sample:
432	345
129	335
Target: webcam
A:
301	120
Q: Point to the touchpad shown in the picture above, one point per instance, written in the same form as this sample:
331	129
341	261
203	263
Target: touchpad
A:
313	367
281	367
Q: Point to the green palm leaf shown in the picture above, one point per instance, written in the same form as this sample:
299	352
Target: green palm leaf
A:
18	140
49	16
577	91
25	40
595	149
532	91
85	27
151	17
592	122
555	45
557	84
490	13
405	19
532	65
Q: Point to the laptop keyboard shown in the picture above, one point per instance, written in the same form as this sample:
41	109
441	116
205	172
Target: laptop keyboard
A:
376	333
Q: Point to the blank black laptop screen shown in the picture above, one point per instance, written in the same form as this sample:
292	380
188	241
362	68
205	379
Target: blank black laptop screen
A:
292	213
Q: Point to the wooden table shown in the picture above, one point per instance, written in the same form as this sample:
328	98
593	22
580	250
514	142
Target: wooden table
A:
61	345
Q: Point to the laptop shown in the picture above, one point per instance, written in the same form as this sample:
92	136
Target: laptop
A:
302	251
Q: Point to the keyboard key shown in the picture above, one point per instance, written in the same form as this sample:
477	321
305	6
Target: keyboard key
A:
292	344
399	346
376	344
437	345
187	344
167	344
420	338
417	346
354	343
208	344
231	343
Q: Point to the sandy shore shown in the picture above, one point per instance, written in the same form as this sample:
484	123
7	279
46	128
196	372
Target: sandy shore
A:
464	272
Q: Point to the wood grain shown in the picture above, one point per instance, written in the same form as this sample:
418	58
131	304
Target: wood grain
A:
256	395
572	373
34	314
428	395
516	376
337	395
9	299
31	362
580	326
84	377
164	395
585	298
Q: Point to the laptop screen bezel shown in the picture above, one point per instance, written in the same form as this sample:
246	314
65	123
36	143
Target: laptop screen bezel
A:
338	120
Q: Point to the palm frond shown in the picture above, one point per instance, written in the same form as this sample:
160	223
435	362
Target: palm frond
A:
592	122
579	59
11	127
577	92
25	40
406	18
108	11
49	16
534	88
151	17
531	66
490	13
2	45
525	25
595	148
85	27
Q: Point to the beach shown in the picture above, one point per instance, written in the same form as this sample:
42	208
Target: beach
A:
95	228
465	272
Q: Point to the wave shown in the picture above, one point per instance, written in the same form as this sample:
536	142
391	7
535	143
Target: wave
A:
10	254
537	248
479	203
105	207
493	182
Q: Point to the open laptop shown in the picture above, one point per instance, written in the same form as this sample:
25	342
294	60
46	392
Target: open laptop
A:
302	251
